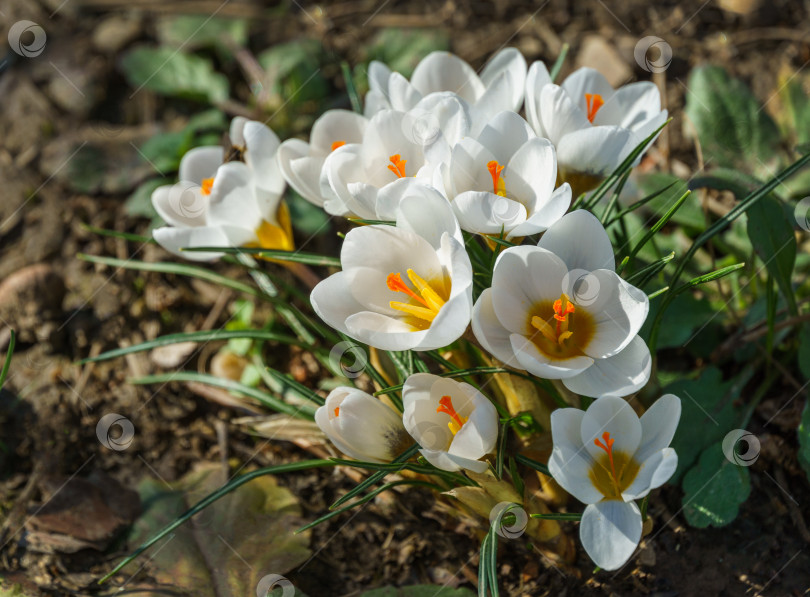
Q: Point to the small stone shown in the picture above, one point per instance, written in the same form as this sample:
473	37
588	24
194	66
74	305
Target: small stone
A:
597	53
115	32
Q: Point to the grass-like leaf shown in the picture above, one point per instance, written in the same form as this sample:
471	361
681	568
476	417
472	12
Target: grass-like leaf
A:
294	256
297	387
715	275
658	225
531	463
138	238
375	478
9	354
302	412
646	273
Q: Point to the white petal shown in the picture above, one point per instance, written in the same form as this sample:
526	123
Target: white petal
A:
545	215
428	214
580	240
301	171
468	167
378	74
654	472
619	375
536	79
232	200
382	331
559	114
524	276
452	462
489	331
610	532
334	302
174	239
479	434
612	415
587	80
402	95
539	364
375	101
512	62
181	204
532	173
236	131
200	163
596	150
570	462
504	134
617	308
336	126
498	97
658	425
482	212
260	156
443	71
631	106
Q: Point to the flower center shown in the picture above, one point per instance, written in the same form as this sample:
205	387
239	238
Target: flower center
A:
207	185
593	101
615	471
495	170
337	144
555	324
428	300
397	165
456	420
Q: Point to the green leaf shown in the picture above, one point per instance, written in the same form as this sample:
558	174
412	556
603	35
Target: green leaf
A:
732	128
402	49
139	204
295	256
684	317
7	361
306	217
690	214
797	105
804	439
174	73
804	351
230	545
198	31
165	150
772	235
418	591
707	414
714	489
293	71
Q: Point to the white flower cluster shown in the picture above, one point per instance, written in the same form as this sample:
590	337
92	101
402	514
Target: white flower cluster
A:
444	152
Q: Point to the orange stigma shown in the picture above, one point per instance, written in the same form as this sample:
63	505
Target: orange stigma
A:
495	170
397	165
425	295
593	101
456	420
337	411
207	185
607	446
396	284
562	309
337	144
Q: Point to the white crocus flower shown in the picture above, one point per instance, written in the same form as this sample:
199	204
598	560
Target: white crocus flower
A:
302	162
394	146
361	426
593	126
499	87
402	287
560	311
455	425
503	180
231	204
607	458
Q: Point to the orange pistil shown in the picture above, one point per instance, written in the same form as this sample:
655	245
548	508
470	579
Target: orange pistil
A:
562	308
207	185
337	144
337	411
425	295
607	446
495	170
397	165
396	284
593	101
457	421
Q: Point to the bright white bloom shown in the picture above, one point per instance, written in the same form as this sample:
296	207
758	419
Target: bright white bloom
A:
361	426
301	162
500	86
606	457
394	146
402	287
593	126
503	180
560	311
231	204
454	423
